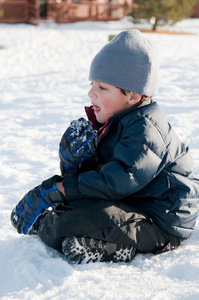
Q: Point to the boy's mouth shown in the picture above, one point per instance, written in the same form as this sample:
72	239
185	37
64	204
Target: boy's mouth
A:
96	108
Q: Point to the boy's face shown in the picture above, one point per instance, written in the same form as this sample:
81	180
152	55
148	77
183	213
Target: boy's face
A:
107	100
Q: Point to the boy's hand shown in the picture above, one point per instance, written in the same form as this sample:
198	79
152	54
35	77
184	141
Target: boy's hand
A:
60	188
34	203
75	143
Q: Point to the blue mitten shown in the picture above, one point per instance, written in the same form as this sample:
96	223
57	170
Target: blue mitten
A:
34	203
75	144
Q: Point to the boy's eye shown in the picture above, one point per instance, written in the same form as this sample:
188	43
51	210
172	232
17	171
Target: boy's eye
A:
102	88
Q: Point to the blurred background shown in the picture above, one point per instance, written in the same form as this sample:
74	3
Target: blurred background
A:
156	12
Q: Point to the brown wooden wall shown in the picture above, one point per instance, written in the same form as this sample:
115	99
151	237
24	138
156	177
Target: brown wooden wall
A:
14	11
19	11
28	11
69	11
196	11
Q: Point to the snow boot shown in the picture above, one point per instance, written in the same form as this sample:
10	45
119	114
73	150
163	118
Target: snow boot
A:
84	250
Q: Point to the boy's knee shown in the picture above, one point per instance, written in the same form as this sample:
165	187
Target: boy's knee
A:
48	232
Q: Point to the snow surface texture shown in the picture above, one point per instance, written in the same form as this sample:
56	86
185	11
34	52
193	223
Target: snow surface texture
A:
44	85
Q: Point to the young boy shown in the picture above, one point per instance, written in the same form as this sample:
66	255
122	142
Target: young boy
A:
130	187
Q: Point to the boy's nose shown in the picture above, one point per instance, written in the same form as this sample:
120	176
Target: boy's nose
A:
91	93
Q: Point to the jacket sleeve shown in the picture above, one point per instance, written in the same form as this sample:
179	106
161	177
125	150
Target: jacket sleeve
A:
136	160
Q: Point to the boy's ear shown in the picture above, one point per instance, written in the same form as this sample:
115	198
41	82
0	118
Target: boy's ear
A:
134	98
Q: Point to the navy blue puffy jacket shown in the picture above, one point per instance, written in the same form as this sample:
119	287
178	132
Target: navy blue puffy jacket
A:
139	159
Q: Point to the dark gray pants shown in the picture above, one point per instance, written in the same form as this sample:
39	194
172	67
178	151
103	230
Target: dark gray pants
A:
108	221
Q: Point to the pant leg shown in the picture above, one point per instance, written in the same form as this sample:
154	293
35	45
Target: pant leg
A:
108	221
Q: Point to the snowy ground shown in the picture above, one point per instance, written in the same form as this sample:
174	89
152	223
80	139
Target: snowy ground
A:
43	84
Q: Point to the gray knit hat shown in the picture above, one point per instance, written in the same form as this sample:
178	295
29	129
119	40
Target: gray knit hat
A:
130	62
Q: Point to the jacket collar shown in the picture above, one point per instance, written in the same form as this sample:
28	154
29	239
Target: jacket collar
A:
91	117
101	128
